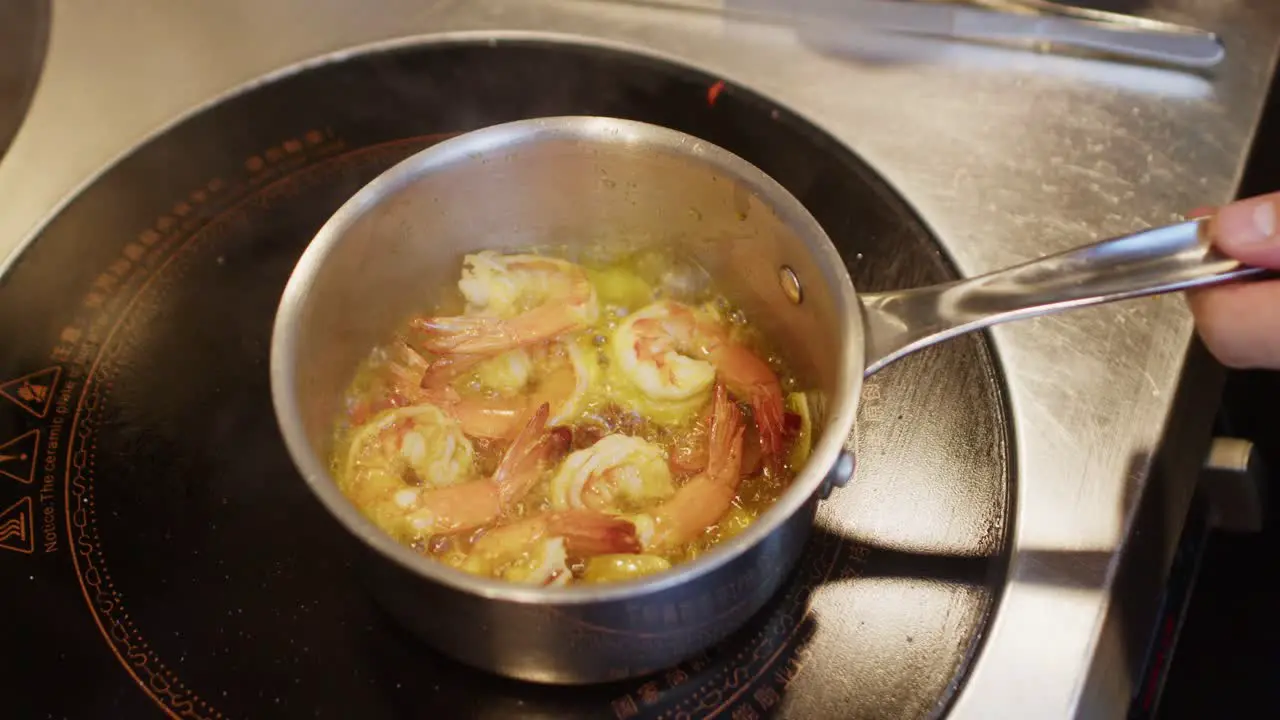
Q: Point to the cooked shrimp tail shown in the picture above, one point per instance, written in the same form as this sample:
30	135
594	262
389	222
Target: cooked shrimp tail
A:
475	503
404	363
403	369
588	533
706	497
725	447
490	335
446	368
767	406
520	465
749	377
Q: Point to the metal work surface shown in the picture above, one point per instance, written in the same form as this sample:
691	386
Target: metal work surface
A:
1007	155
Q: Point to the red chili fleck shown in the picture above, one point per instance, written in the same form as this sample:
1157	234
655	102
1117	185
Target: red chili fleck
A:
561	439
713	92
792	423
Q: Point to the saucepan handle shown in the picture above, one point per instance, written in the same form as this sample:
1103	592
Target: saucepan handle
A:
1160	260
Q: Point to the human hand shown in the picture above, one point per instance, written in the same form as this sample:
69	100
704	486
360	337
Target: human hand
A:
1240	322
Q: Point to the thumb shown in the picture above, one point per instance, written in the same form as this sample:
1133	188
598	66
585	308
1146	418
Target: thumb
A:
1249	230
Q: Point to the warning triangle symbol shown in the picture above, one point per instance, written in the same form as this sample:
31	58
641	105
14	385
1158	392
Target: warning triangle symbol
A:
18	457
34	392
16	532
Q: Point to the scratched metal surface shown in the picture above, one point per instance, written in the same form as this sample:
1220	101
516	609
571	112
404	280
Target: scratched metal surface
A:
1006	155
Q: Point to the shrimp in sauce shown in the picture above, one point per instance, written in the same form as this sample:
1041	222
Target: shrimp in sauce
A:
617	474
673	352
537	548
512	301
413	471
458	433
485	410
706	497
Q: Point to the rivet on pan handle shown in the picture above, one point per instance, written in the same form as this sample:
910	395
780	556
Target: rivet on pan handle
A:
839	475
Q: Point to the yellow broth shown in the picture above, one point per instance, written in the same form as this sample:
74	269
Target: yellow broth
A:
611	405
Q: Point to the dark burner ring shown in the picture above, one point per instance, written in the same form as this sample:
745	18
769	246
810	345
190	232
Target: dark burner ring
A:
144	478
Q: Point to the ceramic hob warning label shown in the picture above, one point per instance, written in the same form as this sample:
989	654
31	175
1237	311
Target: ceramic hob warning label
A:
28	462
16	531
33	392
18	457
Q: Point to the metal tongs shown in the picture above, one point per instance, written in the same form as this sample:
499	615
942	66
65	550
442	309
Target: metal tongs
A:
1027	21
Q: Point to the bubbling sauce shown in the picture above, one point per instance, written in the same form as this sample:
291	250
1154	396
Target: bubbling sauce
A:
556	422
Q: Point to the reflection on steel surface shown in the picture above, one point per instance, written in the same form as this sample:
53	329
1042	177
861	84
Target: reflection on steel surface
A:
1034	23
1157	260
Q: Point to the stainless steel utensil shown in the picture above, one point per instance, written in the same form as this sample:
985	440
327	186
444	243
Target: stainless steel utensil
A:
603	180
1037	22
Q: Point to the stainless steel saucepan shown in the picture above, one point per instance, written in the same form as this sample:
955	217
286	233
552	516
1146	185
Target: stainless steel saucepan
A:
602	180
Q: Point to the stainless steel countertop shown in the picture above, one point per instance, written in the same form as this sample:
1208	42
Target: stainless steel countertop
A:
1007	155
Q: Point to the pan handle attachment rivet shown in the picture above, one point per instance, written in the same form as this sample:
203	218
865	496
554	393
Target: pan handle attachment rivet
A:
842	472
839	474
790	285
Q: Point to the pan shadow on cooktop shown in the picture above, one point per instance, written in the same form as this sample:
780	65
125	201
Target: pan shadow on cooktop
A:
777	642
24	38
173	560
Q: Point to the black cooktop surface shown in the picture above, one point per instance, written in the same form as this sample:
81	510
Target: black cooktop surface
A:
159	554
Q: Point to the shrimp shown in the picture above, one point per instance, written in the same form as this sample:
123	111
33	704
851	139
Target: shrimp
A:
472	504
442	493
616	474
416	445
570	372
508	371
689	452
536	549
512	301
397	374
702	501
671	353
